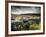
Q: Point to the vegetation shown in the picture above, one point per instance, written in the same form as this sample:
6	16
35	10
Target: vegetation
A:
26	25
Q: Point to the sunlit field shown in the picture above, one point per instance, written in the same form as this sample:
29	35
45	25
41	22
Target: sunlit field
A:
25	22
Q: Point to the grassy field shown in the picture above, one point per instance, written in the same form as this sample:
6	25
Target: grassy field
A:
25	25
34	27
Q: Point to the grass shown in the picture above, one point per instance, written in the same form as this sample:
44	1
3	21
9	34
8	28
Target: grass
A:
26	26
34	27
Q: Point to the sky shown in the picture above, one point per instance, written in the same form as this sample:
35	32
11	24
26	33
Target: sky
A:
25	9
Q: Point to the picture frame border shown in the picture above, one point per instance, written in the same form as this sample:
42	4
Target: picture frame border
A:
6	17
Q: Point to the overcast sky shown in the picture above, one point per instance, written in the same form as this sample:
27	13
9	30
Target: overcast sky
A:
25	9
